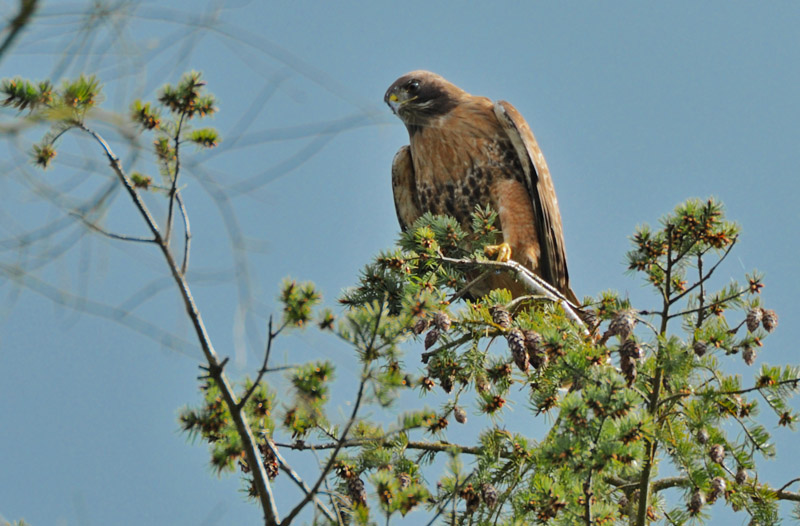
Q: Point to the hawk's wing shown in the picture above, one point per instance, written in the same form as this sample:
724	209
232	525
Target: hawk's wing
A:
404	188
553	259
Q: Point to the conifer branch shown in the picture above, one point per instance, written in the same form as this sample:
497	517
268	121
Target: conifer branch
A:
435	447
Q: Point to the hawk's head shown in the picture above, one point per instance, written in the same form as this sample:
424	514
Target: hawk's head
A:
419	96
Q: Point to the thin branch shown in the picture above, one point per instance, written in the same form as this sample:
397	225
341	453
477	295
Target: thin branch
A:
297	480
710	305
468	286
187	233
112	235
441	506
707	276
26	10
701	298
249	445
788	484
726	393
174	188
436	447
264	369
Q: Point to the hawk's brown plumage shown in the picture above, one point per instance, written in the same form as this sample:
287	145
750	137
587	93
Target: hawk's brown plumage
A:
465	151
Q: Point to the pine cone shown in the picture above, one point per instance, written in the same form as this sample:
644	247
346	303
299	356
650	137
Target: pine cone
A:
500	316
749	355
699	348
717	453
753	319
516	342
431	338
420	326
459	414
622	325
472	497
631	349
442	321
356	490
697	502
717	489
537	355
489	495
702	436
628	366
741	476
446	383
270	462
769	319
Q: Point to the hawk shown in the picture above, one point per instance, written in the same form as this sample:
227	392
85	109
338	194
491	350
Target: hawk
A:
465	151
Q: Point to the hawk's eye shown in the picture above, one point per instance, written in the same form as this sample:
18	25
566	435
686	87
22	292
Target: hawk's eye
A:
413	86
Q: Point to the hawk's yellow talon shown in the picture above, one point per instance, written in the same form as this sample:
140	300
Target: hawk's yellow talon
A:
501	252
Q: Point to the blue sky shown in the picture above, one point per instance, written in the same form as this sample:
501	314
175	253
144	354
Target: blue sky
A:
636	106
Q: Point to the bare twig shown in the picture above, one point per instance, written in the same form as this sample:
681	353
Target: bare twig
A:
26	10
264	369
112	235
187	233
174	188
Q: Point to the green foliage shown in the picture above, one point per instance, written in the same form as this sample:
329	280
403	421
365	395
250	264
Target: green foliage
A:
186	98
298	301
67	108
22	94
628	390
204	137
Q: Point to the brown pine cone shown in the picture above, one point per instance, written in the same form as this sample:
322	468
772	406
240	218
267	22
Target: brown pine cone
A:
516	342
753	319
769	319
500	316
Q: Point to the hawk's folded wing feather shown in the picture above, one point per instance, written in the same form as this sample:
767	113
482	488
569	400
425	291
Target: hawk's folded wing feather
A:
553	260
404	188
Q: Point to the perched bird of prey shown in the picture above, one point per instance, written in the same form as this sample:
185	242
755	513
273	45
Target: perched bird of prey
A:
465	151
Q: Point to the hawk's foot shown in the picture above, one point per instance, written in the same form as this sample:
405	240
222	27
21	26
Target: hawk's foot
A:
501	252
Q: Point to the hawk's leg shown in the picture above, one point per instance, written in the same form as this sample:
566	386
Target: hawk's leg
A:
501	252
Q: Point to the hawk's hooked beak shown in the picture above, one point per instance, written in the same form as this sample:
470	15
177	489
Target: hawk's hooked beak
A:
393	101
